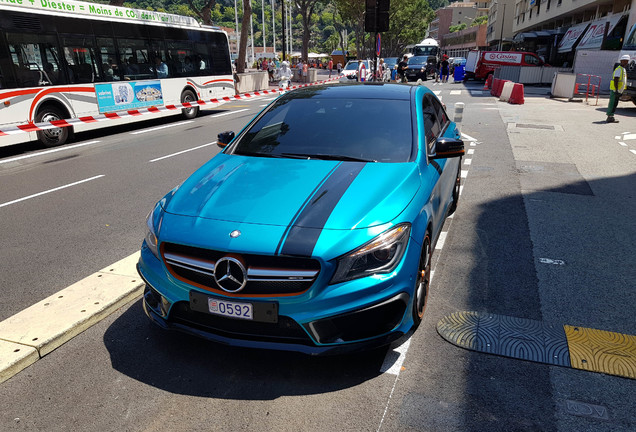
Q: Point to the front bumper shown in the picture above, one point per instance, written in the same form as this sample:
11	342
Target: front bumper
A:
342	318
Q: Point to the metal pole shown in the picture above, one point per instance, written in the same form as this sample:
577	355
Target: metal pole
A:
502	24
263	21
274	26
282	5
291	42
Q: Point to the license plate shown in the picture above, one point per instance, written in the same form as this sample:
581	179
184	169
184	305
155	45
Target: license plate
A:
230	309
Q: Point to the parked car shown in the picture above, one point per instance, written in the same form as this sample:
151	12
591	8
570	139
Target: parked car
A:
417	68
350	71
310	231
391	64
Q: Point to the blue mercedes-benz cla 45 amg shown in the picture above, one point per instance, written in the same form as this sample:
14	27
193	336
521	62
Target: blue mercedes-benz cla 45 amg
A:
313	229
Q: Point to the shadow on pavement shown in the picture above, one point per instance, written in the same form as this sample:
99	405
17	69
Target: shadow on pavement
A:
188	365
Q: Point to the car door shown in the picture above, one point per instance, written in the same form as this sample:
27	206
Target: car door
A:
435	168
449	166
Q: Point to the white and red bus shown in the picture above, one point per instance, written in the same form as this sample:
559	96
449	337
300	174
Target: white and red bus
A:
67	59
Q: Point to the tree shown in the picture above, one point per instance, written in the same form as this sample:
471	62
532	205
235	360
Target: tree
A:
205	12
245	30
116	2
306	9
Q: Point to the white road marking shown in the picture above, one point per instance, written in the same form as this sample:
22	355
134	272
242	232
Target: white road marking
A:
470	151
50	190
467	161
633	151
476	91
551	261
618	137
48	151
456	92
473	144
440	240
181	152
229	112
464	173
468	137
623	144
437	92
461	189
629	136
161	127
395	358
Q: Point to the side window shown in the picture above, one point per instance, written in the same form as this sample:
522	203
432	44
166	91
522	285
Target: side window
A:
111	70
442	117
81	58
432	128
530	59
135	59
35	58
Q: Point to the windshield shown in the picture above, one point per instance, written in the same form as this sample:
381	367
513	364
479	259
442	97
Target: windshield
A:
425	50
391	61
418	60
352	66
326	128
631	40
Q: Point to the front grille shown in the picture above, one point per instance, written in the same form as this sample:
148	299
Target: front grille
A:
286	330
266	275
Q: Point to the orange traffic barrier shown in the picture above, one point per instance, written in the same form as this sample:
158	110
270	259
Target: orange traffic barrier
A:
517	97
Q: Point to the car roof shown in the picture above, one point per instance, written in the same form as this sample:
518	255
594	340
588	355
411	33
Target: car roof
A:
370	90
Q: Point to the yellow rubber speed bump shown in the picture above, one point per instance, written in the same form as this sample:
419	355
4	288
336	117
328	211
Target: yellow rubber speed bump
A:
602	351
568	346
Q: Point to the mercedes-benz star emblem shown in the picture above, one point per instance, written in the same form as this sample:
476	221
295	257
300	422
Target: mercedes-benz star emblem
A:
230	274
235	233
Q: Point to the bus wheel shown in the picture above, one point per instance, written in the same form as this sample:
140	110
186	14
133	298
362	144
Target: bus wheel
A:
188	96
51	137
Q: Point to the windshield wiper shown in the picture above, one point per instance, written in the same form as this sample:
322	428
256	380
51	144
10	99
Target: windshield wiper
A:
327	157
257	154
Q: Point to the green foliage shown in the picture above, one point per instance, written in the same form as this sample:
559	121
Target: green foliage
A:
480	20
456	28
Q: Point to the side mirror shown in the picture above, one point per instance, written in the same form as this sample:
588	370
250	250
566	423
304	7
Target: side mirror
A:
224	138
448	148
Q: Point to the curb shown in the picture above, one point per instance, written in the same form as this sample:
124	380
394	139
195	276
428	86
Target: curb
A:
38	330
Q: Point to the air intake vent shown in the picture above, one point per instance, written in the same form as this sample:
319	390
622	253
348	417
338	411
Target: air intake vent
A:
27	22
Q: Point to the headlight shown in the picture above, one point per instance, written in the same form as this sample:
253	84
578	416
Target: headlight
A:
380	255
151	231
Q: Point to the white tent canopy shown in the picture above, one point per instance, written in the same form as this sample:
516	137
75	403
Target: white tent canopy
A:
315	55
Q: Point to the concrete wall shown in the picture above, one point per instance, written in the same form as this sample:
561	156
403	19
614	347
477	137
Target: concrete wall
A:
252	81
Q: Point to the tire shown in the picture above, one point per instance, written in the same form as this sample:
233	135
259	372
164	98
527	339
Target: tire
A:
56	136
422	281
458	183
189	113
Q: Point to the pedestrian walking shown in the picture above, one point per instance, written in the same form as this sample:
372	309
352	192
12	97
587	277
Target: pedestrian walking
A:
401	69
617	87
444	68
339	68
305	72
330	66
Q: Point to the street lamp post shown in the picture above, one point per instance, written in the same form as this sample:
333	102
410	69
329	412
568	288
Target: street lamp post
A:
502	24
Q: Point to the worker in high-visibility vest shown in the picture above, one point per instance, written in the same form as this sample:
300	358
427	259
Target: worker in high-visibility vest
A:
617	87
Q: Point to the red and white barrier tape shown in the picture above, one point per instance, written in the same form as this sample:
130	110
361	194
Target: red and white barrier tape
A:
35	127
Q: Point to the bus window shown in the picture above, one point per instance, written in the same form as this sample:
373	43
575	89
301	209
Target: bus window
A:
219	46
135	53
35	59
202	61
110	68
179	58
79	53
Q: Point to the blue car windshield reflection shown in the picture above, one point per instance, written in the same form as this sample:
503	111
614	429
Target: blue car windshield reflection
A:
330	129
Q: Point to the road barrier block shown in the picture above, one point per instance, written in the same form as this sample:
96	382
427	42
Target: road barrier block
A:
493	87
517	95
506	91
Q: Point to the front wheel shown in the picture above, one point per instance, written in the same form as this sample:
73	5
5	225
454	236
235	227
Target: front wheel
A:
422	283
189	113
51	137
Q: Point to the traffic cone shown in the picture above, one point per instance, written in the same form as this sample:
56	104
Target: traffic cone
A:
516	97
488	83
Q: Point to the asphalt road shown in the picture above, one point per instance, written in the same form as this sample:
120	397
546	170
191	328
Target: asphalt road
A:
533	196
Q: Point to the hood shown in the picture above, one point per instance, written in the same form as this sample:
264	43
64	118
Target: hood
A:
306	193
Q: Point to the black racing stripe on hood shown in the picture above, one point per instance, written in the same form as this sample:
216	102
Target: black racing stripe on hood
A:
301	240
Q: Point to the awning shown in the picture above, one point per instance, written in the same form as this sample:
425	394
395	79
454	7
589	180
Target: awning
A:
543	34
520	37
593	37
572	36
